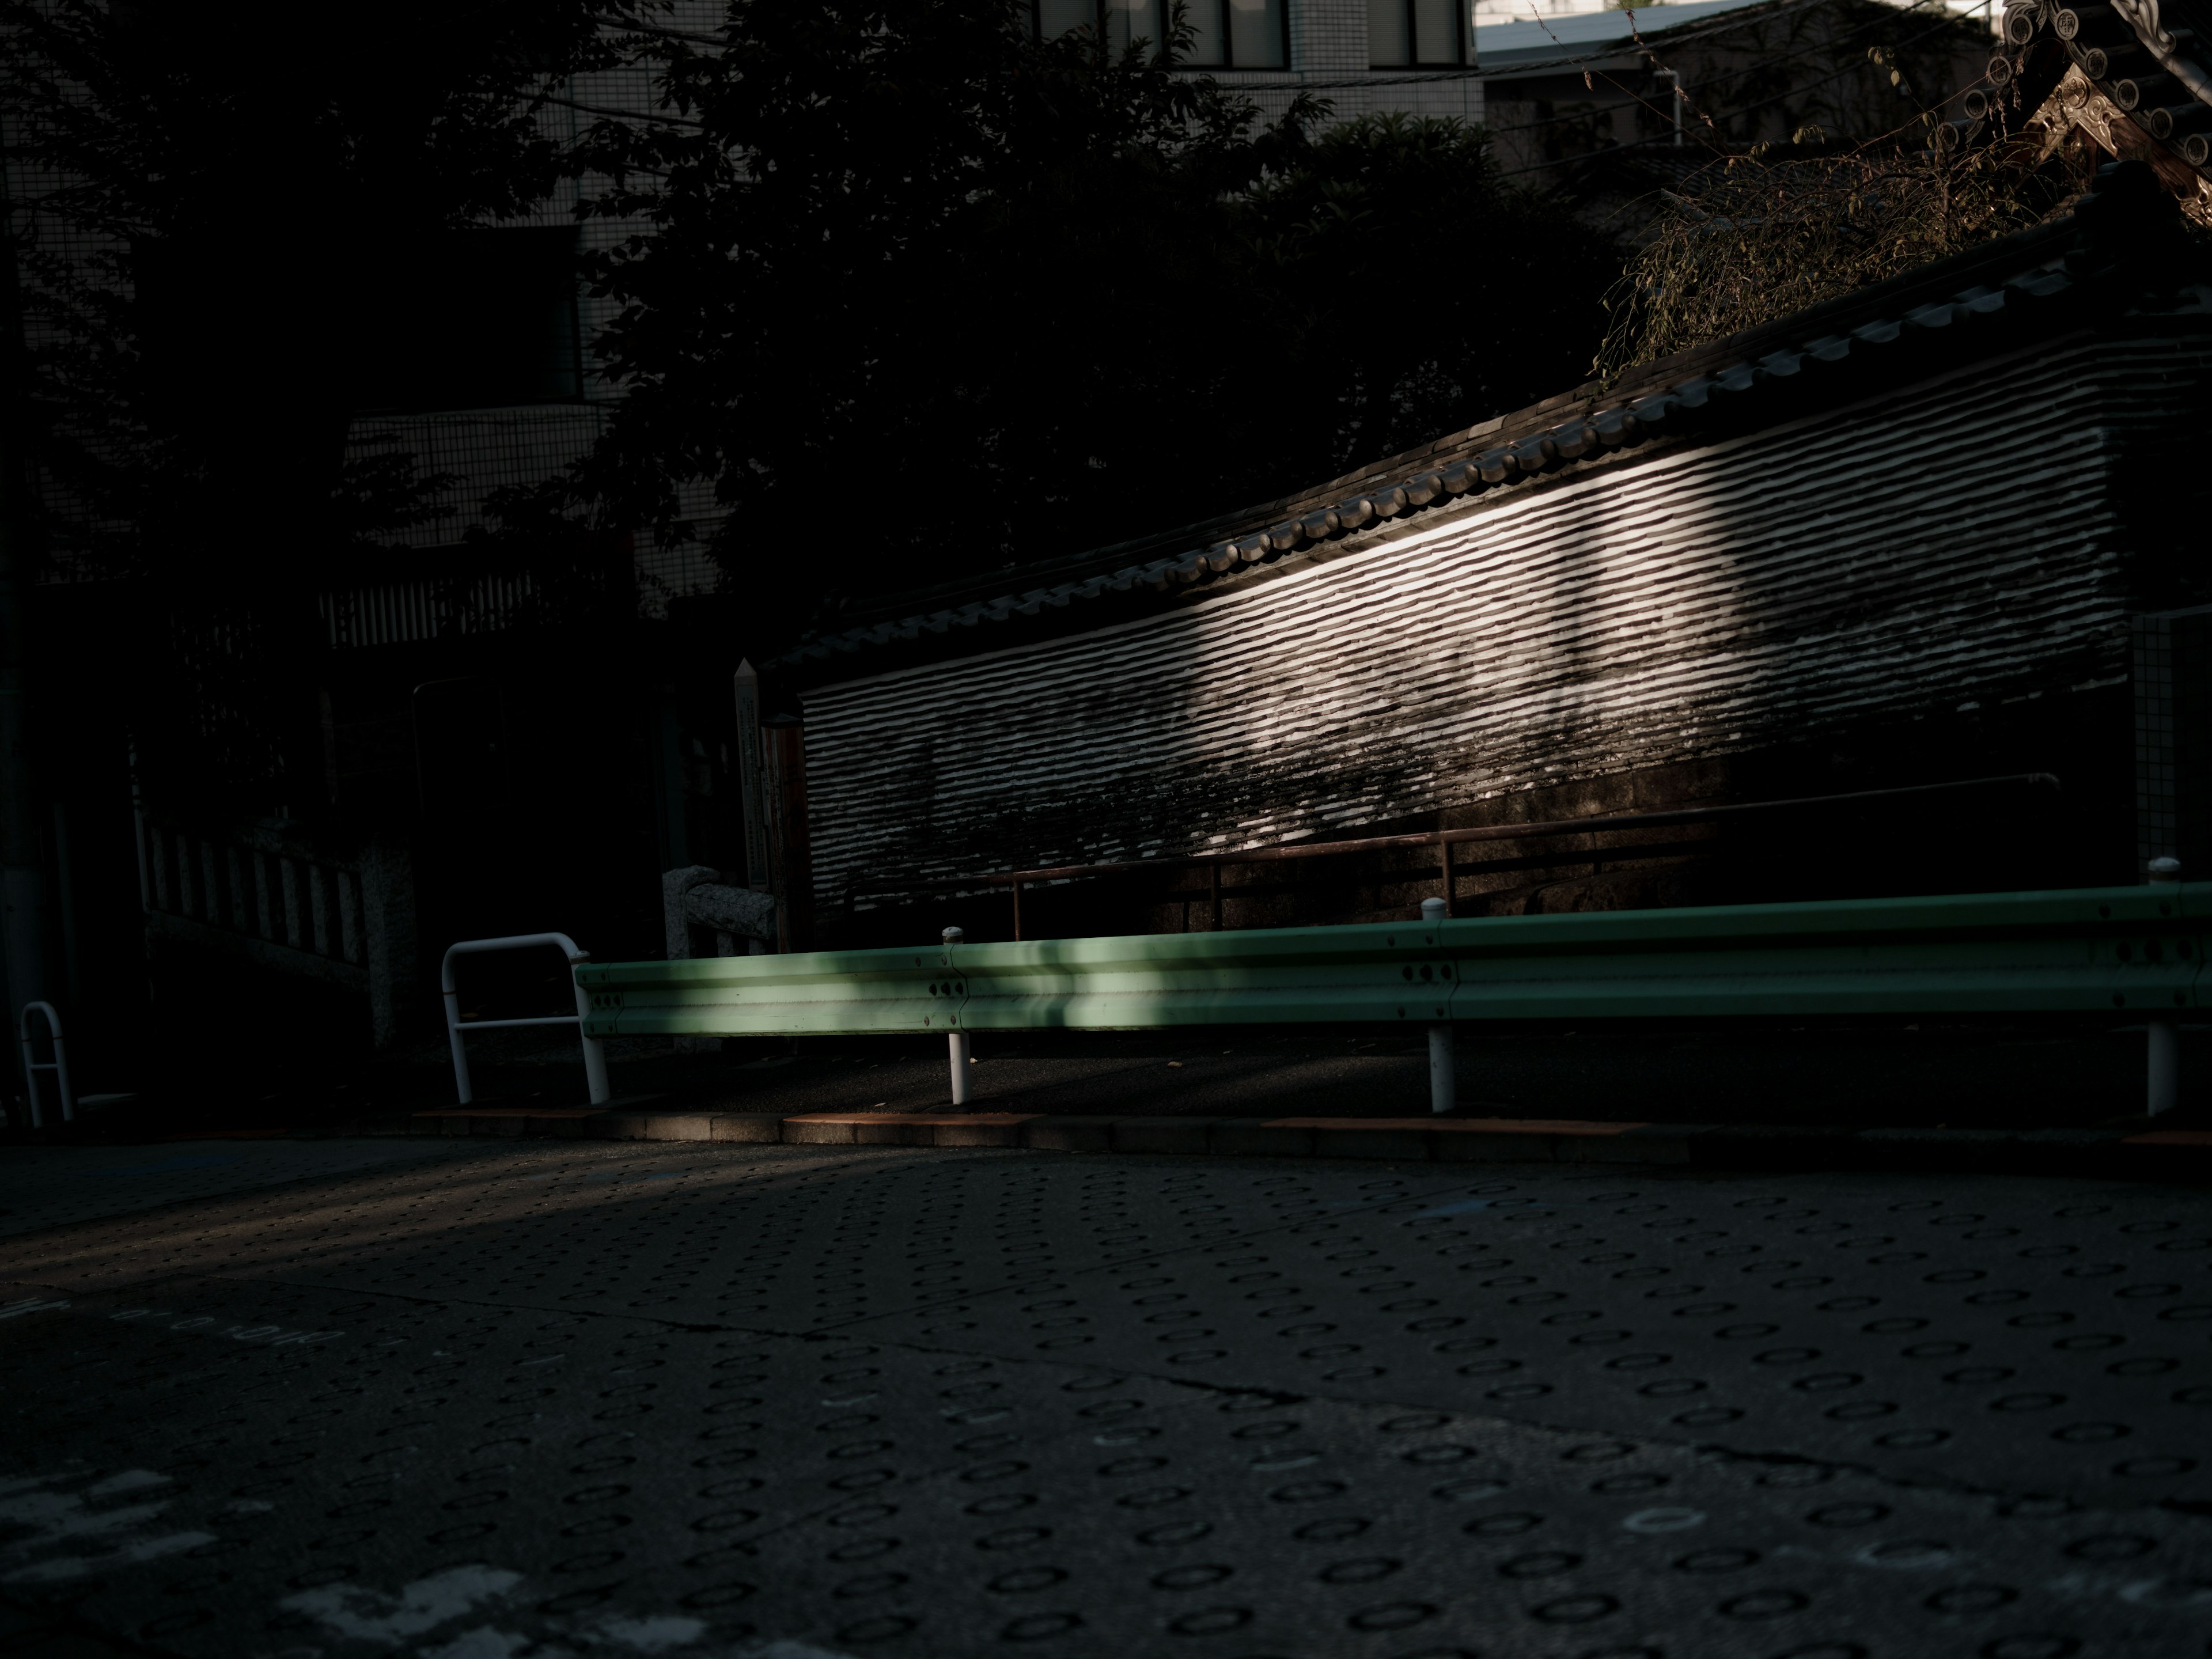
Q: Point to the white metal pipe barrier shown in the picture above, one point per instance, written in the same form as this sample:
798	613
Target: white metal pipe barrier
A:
2164	1035
1443	1084
957	1040
595	1054
58	1066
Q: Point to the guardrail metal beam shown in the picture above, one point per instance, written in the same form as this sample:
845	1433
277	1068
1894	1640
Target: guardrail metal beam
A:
2134	953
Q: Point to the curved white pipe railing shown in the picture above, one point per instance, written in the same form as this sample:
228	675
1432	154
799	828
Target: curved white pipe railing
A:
595	1054
58	1066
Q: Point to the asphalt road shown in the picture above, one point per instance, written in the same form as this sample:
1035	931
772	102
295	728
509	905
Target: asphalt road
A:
473	1401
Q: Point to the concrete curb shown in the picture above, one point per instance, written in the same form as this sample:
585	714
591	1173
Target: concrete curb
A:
2159	1155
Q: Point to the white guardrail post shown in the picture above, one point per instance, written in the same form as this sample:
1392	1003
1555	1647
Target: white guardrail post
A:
957	1040
595	1053
2164	1038
1443	1085
58	1066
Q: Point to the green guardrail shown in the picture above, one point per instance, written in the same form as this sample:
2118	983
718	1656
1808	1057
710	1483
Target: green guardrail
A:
2135	952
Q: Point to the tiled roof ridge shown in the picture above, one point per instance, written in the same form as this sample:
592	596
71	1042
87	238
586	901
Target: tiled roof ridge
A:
1541	439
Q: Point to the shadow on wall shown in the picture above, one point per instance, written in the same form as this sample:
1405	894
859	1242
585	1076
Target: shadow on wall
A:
1998	839
1724	620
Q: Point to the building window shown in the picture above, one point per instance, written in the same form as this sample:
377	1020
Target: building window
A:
1226	34
1416	34
1053	18
1239	33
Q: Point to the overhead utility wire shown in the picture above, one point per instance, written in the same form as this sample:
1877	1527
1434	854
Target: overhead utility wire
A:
665	33
1473	72
1762	64
1567	60
1758	67
621	114
1642	144
1255	86
1396	80
1470	72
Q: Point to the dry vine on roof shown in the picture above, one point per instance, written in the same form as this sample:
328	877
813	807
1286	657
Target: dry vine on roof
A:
1752	238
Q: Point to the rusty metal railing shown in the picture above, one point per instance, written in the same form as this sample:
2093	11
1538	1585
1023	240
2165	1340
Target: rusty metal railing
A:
1214	863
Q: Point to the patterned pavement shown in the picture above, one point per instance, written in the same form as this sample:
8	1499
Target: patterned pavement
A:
464	1401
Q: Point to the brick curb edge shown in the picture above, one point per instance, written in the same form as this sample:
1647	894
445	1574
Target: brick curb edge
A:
2164	1155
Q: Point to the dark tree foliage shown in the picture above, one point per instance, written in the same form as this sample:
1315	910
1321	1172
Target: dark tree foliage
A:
233	198
1396	264
223	203
922	296
1753	238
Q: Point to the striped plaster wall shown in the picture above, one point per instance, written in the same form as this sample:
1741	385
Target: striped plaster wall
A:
1950	544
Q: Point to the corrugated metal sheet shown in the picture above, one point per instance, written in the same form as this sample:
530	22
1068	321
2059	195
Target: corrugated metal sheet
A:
1954	542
